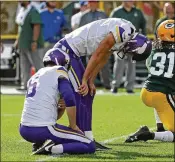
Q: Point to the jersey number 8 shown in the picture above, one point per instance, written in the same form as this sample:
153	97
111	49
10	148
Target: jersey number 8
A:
164	66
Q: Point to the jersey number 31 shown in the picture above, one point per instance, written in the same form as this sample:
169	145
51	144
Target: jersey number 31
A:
164	65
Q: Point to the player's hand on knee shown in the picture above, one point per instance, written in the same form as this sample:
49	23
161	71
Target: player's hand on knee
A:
92	88
83	89
76	128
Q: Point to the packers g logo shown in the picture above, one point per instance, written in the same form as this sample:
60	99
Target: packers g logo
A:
169	25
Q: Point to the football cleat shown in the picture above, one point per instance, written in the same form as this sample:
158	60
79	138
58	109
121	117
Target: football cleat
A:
99	146
142	134
45	149
36	146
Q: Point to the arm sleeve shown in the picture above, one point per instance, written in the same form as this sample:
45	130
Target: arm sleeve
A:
66	92
35	17
117	32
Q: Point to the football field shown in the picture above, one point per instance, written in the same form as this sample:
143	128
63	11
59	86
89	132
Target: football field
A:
114	118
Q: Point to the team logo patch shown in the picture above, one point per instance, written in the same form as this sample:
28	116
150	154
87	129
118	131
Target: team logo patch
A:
169	25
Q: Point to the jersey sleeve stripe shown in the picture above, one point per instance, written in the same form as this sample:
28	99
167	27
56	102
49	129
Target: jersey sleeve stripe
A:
118	34
62	72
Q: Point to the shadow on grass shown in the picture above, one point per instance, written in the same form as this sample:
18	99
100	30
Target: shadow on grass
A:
117	155
142	144
124	155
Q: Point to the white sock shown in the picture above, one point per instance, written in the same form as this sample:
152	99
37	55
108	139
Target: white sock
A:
89	135
157	117
166	136
57	149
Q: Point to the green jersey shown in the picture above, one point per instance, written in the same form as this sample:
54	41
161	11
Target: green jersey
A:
26	34
135	16
161	67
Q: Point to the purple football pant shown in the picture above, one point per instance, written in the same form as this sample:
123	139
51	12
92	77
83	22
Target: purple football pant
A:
73	142
83	104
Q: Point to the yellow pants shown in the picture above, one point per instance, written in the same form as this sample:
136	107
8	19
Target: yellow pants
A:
163	103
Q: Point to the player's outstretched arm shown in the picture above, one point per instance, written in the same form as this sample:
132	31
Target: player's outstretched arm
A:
96	61
95	72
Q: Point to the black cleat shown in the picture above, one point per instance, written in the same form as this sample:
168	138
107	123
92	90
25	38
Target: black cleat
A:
45	149
36	146
99	146
143	134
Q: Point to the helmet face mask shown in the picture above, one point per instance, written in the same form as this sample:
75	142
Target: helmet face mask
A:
139	47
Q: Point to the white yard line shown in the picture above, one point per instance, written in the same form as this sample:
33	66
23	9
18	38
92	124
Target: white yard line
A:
103	142
120	137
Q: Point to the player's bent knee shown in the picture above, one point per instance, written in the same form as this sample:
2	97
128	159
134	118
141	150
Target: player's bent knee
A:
91	147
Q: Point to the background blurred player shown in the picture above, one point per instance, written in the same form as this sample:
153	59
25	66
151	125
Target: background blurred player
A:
95	38
159	88
40	113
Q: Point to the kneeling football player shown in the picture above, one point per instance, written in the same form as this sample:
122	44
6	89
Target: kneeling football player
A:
39	116
159	89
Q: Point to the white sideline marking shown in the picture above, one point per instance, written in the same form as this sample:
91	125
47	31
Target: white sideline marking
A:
103	142
117	138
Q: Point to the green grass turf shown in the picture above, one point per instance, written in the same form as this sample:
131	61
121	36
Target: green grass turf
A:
113	116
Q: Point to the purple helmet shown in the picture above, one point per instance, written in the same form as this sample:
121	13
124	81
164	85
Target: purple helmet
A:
139	46
58	57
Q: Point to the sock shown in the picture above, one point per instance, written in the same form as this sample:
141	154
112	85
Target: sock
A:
157	117
57	149
166	136
89	135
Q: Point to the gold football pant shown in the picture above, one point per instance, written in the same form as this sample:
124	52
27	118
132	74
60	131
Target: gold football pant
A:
163	103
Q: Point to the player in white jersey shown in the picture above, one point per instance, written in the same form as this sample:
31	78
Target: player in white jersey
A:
41	111
97	39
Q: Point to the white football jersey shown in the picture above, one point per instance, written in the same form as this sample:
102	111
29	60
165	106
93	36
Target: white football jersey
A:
85	40
41	102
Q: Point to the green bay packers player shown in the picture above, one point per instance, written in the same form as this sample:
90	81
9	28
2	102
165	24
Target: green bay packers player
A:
159	89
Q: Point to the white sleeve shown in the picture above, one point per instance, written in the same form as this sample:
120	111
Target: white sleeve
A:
74	21
117	33
62	72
